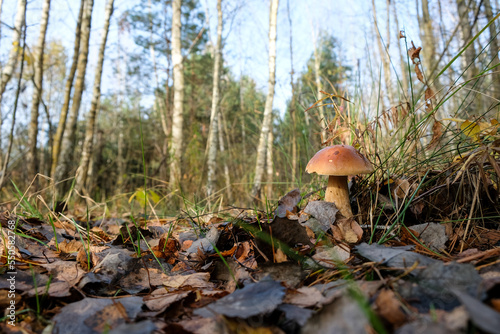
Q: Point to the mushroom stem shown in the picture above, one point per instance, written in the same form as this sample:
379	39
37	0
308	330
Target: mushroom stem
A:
338	193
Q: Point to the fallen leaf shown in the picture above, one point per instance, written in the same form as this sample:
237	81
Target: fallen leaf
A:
254	299
390	308
196	280
350	229
288	203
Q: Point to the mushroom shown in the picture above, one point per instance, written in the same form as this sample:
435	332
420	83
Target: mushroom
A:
339	161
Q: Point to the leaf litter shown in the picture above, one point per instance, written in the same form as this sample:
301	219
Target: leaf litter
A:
300	268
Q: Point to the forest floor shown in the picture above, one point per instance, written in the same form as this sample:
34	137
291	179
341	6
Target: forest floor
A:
299	267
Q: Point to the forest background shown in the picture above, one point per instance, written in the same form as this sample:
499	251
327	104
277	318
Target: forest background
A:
92	105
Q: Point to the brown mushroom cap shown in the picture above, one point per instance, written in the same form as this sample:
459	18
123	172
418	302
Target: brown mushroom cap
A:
339	160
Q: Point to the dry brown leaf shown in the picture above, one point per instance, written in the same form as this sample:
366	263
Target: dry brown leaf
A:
196	280
280	256
437	134
402	188
168	247
419	74
350	230
243	251
414	53
389	308
186	244
495	302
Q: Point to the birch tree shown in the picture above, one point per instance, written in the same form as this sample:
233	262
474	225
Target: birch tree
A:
178	109
402	60
11	63
212	135
319	86
56	146
81	175
37	91
383	55
493	48
16	103
429	44
292	103
463	8
67	145
268	109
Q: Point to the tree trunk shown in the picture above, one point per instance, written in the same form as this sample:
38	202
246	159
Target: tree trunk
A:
56	148
81	175
293	131
67	145
212	134
177	117
9	67
429	45
464	9
226	169
317	75
11	63
269	165
18	91
37	92
402	60
384	56
495	75
268	109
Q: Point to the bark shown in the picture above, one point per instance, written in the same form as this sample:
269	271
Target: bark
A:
9	67
1	5
266	123
222	148
269	165
384	56
56	148
212	135
81	175
463	8
177	116
402	60
293	132
67	145
37	92
11	64
319	87
429	42
16	102
495	75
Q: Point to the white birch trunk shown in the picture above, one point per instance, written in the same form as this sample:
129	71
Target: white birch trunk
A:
319	87
269	165
212	134
293	131
402	60
61	126
268	109
81	175
67	145
226	168
9	67
384	56
177	117
37	91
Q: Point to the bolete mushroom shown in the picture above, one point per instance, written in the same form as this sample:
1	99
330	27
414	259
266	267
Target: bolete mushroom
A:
339	161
